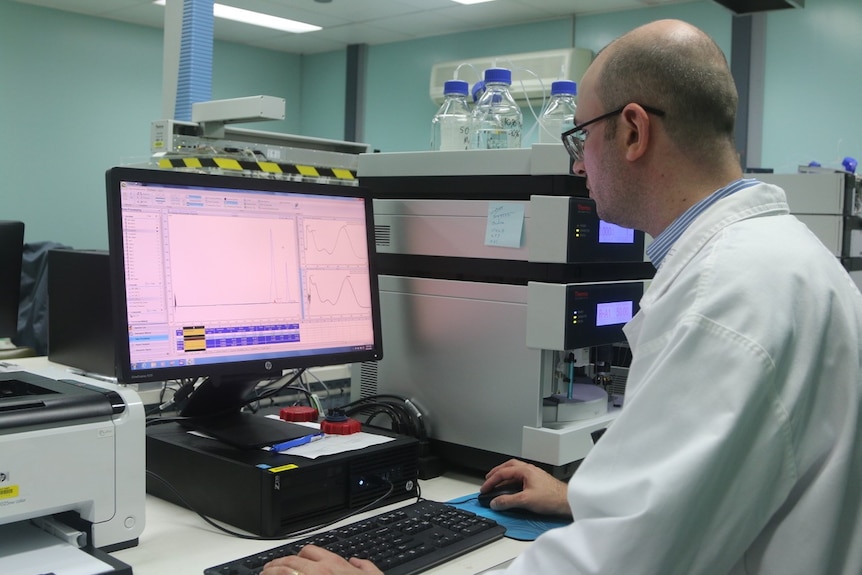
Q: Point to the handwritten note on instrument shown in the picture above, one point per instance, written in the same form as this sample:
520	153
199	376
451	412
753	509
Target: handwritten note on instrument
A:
505	225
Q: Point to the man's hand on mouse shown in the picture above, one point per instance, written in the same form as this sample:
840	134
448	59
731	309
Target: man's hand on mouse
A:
542	493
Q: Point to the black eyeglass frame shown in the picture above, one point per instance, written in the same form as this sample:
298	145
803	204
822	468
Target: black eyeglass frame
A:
574	144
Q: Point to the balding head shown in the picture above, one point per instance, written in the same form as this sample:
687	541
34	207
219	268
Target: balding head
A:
666	105
677	68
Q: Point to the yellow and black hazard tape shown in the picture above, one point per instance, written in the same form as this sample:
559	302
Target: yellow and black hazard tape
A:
267	167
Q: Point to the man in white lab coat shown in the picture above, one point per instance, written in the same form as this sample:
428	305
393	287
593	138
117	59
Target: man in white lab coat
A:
739	449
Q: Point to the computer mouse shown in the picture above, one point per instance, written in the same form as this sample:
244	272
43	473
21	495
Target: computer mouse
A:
505	489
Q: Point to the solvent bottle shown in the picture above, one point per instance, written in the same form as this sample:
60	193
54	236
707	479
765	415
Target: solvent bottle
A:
450	126
559	114
497	119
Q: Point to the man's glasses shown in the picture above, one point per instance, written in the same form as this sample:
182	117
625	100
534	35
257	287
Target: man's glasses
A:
574	139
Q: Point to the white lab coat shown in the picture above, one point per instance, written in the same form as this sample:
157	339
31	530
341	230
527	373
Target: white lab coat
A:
739	449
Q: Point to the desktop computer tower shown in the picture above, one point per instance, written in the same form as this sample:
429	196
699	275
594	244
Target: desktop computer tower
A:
272	494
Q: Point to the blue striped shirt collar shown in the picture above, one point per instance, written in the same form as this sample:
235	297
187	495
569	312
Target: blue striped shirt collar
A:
661	245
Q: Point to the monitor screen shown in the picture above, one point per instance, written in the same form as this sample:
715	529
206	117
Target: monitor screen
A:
235	279
11	253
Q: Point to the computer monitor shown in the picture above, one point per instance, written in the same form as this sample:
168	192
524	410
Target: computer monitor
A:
11	254
236	279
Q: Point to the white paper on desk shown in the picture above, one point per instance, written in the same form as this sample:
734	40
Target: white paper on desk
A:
332	444
27	550
7	366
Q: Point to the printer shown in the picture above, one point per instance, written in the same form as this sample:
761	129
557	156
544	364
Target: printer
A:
72	463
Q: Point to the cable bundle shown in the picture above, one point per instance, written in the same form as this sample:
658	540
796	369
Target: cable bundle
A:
403	416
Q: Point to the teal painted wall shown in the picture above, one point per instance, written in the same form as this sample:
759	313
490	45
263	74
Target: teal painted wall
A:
399	107
596	31
78	94
244	71
324	85
813	94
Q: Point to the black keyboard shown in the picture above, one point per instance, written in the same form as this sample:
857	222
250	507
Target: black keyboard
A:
405	541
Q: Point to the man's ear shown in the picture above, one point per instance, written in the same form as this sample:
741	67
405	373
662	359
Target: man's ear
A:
635	123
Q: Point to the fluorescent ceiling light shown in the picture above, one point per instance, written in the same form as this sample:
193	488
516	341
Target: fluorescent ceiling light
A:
258	19
471	1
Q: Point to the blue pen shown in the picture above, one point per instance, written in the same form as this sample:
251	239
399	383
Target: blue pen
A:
296	442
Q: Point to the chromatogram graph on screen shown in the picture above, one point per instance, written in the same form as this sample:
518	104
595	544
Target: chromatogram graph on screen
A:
334	242
337	292
210	267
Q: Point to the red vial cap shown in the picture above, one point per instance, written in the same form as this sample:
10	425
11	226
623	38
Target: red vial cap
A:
298	413
342	427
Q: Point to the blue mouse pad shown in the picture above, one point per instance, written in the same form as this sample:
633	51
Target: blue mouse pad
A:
520	524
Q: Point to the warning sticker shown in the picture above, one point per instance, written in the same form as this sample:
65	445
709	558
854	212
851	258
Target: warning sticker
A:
8	491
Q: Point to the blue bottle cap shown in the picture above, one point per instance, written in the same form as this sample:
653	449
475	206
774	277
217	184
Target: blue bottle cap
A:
564	87
849	164
478	90
455	87
498	75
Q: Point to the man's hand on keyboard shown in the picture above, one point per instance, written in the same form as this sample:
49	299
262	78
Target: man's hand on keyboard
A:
401	541
313	560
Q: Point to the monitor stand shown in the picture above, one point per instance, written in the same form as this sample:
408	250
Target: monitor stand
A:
214	409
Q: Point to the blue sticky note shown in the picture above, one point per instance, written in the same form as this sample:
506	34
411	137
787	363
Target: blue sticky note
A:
505	225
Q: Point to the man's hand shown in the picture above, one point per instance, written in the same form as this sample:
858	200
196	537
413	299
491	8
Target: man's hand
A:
313	560
542	493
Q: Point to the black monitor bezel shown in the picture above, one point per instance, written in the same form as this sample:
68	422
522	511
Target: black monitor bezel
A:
263	368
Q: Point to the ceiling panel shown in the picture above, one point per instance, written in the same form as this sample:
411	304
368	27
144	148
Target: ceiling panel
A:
358	34
297	44
416	25
293	10
492	14
355	21
145	14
